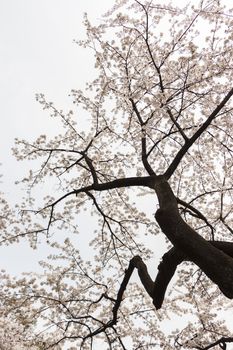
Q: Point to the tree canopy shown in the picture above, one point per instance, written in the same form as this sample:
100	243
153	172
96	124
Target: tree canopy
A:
144	157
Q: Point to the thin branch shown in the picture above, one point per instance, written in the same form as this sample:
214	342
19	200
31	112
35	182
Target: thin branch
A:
144	151
92	168
180	129
118	183
195	212
174	164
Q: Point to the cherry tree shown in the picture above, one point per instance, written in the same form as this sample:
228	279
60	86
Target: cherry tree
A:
144	157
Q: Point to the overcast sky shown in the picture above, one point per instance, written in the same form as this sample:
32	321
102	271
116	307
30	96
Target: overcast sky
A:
37	54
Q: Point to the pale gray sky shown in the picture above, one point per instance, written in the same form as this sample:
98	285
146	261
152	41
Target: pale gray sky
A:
37	54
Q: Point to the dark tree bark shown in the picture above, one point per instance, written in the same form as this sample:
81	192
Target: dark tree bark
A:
166	270
214	262
169	263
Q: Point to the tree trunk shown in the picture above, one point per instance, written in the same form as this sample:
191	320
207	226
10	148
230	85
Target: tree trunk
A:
217	265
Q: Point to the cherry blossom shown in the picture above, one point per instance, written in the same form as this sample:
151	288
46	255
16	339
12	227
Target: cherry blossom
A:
147	153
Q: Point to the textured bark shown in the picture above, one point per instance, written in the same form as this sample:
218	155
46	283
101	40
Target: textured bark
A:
169	263
170	260
143	274
216	264
167	269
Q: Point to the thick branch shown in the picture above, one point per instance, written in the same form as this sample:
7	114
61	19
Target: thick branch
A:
146	181
167	269
147	282
217	265
156	290
124	182
143	274
135	262
221	342
168	265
